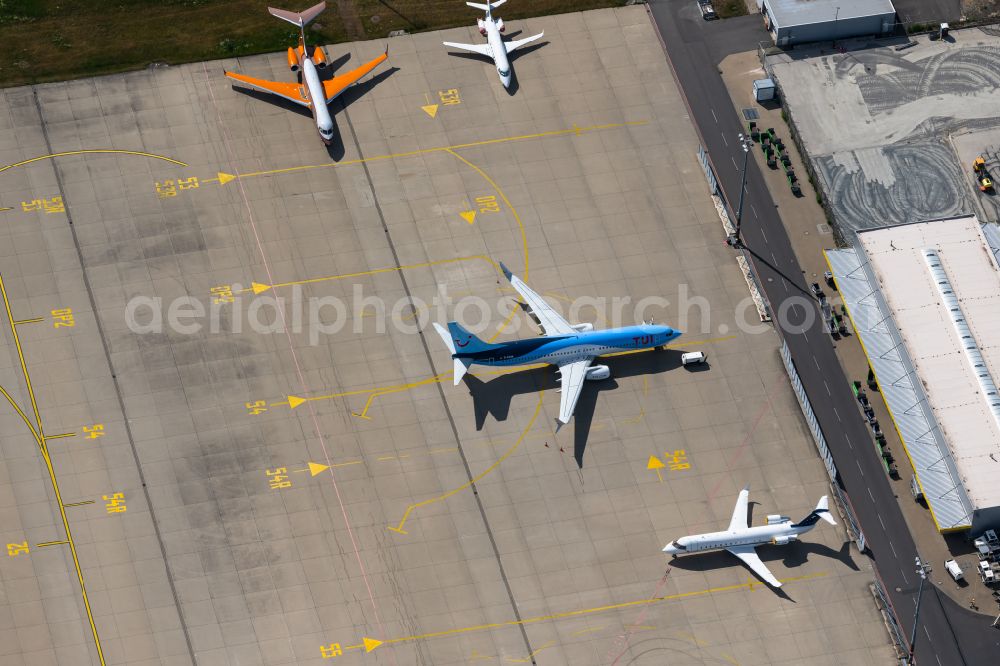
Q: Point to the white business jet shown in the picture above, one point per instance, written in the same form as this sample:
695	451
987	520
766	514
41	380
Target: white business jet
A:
495	47
741	539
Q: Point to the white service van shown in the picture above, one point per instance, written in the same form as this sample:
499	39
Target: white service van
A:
693	358
955	571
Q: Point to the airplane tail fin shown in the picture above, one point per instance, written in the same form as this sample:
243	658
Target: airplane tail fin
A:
301	19
822	511
823	506
465	342
461	365
486	8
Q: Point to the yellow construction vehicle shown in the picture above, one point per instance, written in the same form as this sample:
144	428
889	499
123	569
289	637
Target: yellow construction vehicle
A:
982	175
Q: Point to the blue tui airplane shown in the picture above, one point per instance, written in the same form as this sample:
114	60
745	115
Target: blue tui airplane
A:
570	347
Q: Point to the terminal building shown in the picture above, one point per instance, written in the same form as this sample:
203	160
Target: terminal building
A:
792	22
925	302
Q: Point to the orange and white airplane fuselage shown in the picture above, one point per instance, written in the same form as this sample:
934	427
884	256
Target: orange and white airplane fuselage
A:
312	92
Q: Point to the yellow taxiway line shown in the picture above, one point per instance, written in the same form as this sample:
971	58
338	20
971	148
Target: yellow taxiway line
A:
293	401
575	130
259	288
370	644
39	435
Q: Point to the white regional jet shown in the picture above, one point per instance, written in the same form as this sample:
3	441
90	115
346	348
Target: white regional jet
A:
741	539
495	47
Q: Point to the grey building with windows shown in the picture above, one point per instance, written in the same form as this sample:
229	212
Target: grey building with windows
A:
792	22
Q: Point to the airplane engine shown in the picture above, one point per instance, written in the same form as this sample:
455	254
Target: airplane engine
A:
293	59
500	26
598	372
583	328
319	57
775	519
482	27
783	540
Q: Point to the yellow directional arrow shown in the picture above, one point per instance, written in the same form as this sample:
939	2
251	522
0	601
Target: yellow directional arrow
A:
468	215
294	401
431	110
316	468
657	464
259	288
370	643
225	177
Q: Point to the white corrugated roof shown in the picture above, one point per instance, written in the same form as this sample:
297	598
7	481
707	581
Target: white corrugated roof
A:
896	256
786	13
902	390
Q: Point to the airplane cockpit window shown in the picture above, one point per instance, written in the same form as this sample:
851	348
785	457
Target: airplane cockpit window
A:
326	133
504	72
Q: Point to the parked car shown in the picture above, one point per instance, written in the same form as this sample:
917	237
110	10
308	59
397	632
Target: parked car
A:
707	10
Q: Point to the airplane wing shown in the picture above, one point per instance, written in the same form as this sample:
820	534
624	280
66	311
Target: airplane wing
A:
338	84
552	322
739	520
749	557
293	92
571	378
481	49
518	43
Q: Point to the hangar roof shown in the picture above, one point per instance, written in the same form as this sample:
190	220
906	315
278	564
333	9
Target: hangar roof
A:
787	13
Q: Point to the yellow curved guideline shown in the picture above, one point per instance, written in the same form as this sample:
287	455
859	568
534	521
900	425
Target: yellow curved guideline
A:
513	211
520	225
20	413
96	151
477	478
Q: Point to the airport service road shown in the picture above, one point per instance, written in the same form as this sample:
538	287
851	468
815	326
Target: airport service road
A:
947	633
250	495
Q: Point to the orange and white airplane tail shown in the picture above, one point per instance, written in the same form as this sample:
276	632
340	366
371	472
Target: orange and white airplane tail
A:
300	19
